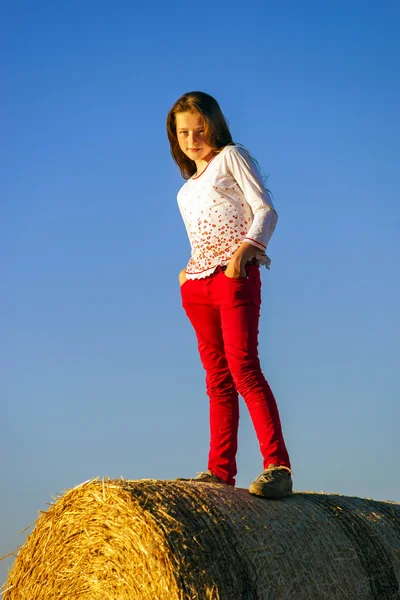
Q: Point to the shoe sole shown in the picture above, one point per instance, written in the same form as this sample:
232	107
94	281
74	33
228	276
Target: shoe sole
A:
258	491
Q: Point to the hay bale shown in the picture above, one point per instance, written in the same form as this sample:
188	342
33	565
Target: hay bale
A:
169	540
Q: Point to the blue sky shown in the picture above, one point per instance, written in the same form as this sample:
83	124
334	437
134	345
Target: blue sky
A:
99	369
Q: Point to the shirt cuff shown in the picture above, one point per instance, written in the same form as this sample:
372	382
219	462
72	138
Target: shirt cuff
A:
255	243
263	260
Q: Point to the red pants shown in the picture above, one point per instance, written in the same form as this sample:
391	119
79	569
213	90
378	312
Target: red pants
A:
225	313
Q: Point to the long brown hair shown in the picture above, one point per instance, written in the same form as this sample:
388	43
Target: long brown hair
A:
216	130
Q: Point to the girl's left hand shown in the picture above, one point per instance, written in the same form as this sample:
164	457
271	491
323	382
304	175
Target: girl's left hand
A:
235	269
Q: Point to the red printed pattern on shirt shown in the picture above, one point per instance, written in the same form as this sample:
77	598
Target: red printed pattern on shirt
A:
217	232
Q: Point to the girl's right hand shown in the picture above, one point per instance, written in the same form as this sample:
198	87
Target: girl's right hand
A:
182	277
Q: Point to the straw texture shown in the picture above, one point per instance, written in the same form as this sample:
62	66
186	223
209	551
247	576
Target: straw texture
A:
171	540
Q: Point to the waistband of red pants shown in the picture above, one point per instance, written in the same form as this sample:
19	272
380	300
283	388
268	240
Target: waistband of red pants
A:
253	261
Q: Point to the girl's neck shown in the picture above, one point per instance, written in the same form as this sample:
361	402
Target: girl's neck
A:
202	164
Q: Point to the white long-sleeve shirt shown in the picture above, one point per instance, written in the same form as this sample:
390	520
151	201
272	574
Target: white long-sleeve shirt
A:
225	205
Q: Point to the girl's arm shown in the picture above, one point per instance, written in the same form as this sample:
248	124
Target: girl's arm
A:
247	175
265	217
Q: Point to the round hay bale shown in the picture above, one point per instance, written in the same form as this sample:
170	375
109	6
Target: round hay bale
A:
171	540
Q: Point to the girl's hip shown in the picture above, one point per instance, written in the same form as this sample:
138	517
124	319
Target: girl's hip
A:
218	290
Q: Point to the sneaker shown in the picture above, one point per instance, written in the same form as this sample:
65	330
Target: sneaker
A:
274	483
207	477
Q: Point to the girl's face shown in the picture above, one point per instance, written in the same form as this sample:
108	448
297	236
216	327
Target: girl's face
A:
190	134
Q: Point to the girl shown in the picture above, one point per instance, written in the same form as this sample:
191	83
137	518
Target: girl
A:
229	218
